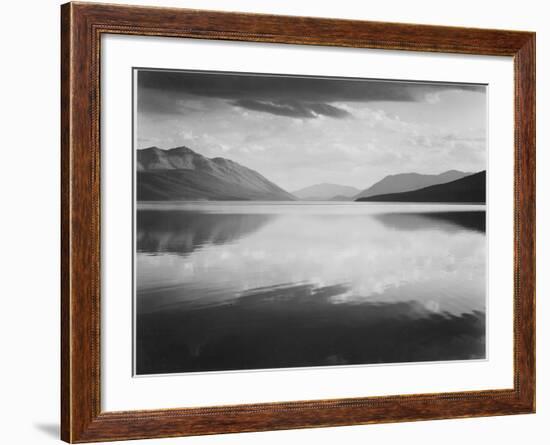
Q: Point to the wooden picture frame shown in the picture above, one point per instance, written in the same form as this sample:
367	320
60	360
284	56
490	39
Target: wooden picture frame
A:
82	25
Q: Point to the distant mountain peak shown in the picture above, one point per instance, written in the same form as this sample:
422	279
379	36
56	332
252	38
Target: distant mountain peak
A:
453	171
404	182
325	191
330	184
403	174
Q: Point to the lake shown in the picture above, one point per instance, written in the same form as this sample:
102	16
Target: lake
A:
226	286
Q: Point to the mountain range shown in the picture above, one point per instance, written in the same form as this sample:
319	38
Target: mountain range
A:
182	174
464	190
326	192
405	182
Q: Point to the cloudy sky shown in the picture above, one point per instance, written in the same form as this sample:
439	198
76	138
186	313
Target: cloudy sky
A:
300	131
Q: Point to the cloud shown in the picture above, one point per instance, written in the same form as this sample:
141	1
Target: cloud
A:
329	110
433	98
290	96
292	109
297	134
452	137
165	102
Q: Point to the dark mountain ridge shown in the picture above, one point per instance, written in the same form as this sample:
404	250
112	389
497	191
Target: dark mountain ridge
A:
470	189
404	182
182	174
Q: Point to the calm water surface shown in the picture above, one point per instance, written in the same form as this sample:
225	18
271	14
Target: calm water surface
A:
233	285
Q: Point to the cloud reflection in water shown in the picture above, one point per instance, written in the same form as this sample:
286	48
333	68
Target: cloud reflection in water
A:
244	286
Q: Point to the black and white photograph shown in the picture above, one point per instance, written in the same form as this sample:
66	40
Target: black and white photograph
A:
285	221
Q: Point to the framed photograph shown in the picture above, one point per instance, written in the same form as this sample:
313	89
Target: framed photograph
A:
274	222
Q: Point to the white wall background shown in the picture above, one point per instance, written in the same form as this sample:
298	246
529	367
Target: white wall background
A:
29	187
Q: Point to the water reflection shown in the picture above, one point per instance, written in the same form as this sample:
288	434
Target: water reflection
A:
448	221
251	286
182	232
